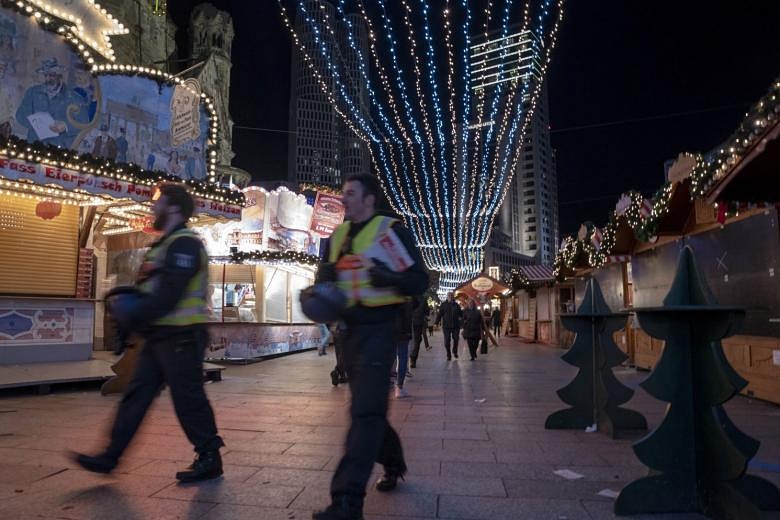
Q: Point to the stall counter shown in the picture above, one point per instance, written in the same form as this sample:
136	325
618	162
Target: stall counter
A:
246	341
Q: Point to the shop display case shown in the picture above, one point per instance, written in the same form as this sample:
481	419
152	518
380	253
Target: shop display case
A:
254	311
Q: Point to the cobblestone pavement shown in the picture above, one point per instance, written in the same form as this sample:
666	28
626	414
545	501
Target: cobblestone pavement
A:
473	434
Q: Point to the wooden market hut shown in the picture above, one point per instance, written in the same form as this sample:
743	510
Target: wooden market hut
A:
535	303
725	207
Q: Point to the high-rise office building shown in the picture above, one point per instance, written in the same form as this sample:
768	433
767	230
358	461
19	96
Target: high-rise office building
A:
352	33
529	213
321	148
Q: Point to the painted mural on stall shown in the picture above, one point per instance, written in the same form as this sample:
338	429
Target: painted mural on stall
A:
48	94
36	325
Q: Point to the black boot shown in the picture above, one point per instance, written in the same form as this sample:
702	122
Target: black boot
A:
334	377
208	465
98	464
389	480
342	508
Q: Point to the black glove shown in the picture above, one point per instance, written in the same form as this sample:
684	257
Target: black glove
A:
327	272
383	276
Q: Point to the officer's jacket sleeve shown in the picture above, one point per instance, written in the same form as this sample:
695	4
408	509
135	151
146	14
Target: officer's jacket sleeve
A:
415	279
182	262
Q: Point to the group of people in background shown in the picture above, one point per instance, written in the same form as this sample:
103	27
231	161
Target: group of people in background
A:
474	326
414	324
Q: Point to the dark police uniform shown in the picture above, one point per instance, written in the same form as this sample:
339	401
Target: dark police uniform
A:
172	319
374	299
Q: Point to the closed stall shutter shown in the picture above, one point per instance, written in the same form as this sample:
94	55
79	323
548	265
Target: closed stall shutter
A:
37	256
233	273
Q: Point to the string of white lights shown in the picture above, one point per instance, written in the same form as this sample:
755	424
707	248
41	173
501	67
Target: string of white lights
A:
415	146
444	172
414	208
405	208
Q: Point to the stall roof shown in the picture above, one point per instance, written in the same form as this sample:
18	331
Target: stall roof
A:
679	212
538	273
755	177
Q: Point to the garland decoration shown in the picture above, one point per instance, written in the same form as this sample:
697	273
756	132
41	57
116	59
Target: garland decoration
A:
87	163
759	119
323	188
292	257
644	218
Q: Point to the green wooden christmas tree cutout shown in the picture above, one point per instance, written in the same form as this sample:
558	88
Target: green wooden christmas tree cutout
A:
595	394
697	456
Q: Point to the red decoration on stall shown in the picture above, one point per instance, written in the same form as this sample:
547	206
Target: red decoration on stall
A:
144	224
721	216
47	209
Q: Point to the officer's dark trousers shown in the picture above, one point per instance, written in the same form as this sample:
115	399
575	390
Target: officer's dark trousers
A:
451	335
369	351
177	360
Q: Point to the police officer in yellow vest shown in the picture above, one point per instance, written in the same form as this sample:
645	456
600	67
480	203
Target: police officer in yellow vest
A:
375	294
169	311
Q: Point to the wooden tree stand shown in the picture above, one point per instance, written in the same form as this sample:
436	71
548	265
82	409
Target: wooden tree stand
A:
595	394
697	456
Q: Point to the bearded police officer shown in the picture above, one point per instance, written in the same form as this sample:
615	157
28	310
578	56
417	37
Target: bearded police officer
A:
168	309
374	292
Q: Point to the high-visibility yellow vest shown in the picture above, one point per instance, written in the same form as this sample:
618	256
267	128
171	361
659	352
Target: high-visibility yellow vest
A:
352	268
191	308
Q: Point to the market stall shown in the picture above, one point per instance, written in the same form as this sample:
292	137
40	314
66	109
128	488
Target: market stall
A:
724	206
259	266
83	141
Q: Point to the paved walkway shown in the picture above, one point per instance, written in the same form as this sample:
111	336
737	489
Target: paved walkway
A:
473	433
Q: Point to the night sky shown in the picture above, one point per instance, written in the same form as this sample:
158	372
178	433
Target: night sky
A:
631	85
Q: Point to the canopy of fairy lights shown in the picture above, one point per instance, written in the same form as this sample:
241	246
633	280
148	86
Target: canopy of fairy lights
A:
402	78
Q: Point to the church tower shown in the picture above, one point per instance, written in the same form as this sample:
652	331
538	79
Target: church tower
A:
211	40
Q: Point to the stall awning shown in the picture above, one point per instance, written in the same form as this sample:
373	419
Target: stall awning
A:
482	285
538	273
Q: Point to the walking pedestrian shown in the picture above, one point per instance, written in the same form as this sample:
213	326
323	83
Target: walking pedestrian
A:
403	337
374	293
339	372
473	327
420	314
169	310
449	316
324	339
495	321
